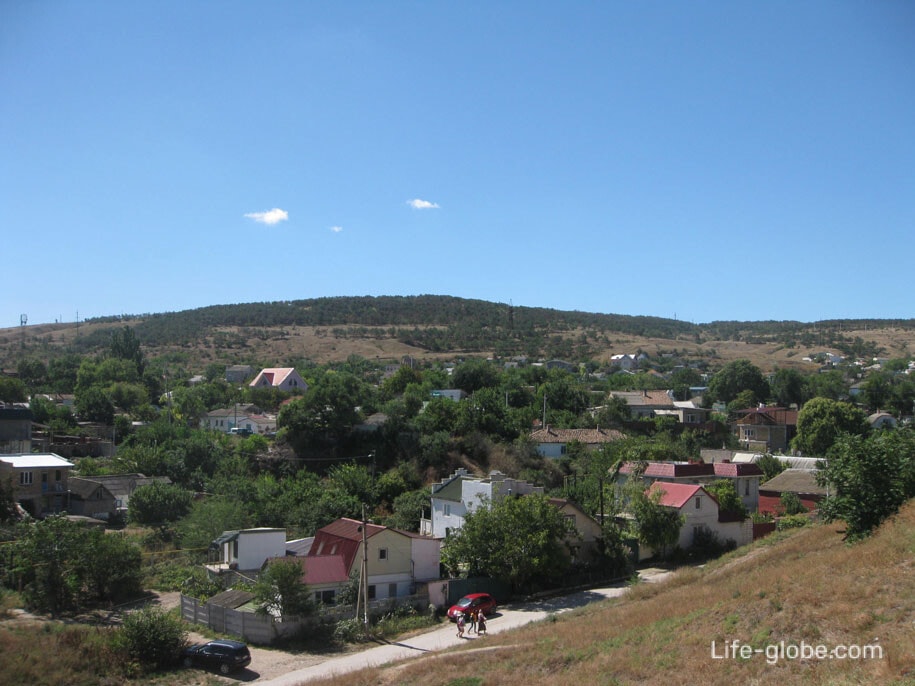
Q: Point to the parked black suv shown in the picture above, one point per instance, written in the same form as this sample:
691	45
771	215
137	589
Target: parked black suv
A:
224	655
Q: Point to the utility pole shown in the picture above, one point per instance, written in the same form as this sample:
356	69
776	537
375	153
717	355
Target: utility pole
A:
365	573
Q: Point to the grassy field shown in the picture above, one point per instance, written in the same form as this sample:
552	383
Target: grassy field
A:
802	586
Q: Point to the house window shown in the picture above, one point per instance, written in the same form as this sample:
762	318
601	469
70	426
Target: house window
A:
392	590
57	475
25	478
747	487
325	597
372	592
382	553
446	509
698	502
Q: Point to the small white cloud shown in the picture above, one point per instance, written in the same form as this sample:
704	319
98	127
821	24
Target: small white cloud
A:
336	229
418	204
271	217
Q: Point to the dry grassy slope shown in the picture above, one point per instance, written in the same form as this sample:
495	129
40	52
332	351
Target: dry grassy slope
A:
321	345
807	586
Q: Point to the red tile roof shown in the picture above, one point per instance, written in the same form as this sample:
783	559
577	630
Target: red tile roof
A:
676	495
321	569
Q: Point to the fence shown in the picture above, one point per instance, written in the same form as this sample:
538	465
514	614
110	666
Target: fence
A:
264	629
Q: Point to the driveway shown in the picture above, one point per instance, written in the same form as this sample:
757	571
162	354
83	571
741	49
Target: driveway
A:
506	617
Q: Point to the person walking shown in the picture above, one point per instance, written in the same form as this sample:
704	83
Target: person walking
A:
481	624
473	622
460	624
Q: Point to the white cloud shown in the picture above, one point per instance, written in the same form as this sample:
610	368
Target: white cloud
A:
336	229
418	204
271	217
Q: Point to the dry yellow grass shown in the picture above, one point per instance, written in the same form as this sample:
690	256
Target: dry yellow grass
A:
808	586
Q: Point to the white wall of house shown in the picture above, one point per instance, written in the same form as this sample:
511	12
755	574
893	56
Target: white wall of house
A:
446	515
254	547
426	558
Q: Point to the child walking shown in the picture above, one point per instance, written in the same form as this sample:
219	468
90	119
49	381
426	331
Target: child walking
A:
460	625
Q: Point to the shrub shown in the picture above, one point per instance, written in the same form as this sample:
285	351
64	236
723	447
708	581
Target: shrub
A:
153	637
792	522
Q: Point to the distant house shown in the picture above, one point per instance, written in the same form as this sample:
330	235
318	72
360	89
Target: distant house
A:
685	412
40	481
241	416
460	493
626	362
646	404
766	429
699	510
561	364
800	482
586	545
396	560
555	442
120	486
91	499
281	378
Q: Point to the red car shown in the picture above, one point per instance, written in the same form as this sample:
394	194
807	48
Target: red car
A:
473	602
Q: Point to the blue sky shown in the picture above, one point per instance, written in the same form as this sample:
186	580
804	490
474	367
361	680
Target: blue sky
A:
698	160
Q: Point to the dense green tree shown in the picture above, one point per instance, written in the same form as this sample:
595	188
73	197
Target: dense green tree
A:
62	372
12	390
474	374
682	380
820	422
830	384
409	508
113	567
790	504
93	404
158	503
877	390
8	508
33	372
737	376
209	518
869	478
518	540
125	346
770	466
657	526
788	387
397	383
281	590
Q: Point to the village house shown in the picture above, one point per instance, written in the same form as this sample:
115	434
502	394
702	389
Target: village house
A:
555	442
699	511
282	378
249	418
460	493
800	482
646	404
766	429
745	476
15	429
40	481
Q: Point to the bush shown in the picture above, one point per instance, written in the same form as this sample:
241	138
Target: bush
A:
153	637
350	630
792	522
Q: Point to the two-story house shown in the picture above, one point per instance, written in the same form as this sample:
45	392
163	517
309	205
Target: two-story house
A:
766	429
40	481
396	561
745	476
460	493
15	429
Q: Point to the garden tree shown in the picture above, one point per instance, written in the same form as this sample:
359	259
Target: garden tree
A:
737	376
128	396
113	567
788	387
831	384
440	414
614	413
62	565
12	390
743	401
280	590
770	466
32	372
94	405
474	374
124	345
870	477
397	383
656	526
434	449
159	503
682	380
520	540
409	508
563	392
485	412
208	519
62	372
152	637
354	480
326	413
902	399
728	501
877	390
820	422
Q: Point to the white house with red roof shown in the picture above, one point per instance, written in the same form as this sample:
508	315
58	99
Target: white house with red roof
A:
397	561
282	378
699	509
745	476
